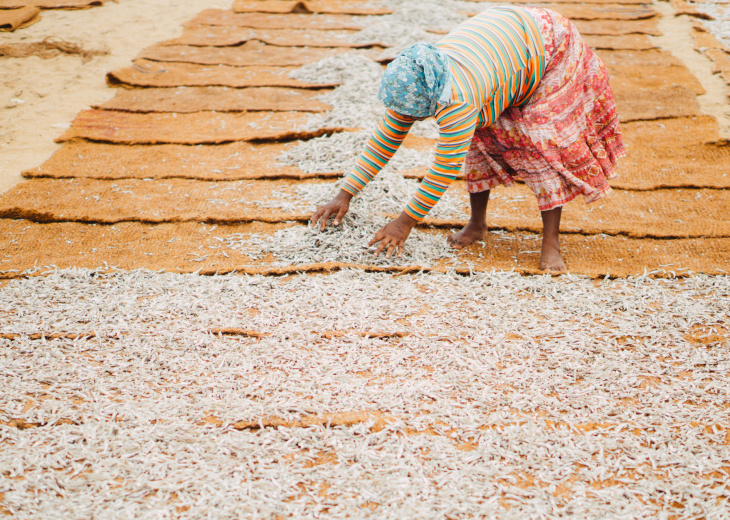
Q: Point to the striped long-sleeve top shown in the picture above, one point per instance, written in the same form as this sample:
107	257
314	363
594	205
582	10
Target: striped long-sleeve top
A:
497	59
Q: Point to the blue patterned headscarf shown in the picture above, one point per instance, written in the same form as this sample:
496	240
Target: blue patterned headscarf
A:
416	81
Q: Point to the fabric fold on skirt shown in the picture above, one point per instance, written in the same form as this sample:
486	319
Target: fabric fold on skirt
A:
565	140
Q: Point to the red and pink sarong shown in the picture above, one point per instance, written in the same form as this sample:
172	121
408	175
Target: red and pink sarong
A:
565	140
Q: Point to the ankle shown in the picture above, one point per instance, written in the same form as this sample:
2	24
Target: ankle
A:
478	223
550	243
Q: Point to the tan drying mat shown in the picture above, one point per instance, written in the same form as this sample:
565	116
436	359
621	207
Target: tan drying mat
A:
668	213
230	35
15	18
675	152
194	247
220	99
251	53
196	128
662	103
50	4
720	63
280	21
230	161
639	42
146	73
311	6
620	2
718	52
647	70
226	36
619	27
594	12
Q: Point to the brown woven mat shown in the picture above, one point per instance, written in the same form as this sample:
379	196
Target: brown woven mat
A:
661	103
714	49
145	73
617	28
673	213
622	42
279	21
221	99
168	200
50	4
647	70
49	47
310	6
668	213
193	247
250	53
197	128
227	35
627	2
720	63
686	8
595	12
704	39
15	18
231	161
674	152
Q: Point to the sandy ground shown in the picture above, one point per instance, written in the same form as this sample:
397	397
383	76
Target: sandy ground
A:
40	97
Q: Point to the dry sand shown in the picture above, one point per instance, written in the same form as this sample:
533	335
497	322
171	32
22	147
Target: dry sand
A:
40	97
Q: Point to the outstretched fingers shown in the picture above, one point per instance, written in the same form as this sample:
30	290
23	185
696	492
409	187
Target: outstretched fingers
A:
388	244
322	215
341	212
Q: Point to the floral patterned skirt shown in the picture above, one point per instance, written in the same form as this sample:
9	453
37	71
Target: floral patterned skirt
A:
565	140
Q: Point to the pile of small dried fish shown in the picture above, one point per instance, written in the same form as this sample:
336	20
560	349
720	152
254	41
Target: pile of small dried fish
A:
495	395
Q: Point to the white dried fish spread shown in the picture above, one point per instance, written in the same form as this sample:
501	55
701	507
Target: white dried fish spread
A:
510	396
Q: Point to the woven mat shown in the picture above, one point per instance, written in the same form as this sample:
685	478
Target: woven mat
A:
647	71
704	39
660	103
720	63
197	128
617	28
250	53
674	153
50	4
184	248
168	200
145	73
673	213
310	6
229	35
279	21
16	18
622	42
221	99
231	161
669	213
627	2
594	12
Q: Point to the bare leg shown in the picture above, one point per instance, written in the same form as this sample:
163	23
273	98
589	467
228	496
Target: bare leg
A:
550	259
476	228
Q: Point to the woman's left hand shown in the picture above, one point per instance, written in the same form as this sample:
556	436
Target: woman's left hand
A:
393	235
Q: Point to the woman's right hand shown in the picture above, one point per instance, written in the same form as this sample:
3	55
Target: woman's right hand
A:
338	207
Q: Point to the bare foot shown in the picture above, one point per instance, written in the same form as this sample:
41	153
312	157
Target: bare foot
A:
551	260
468	235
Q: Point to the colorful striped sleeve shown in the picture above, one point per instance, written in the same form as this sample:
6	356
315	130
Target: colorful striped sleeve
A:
457	124
381	146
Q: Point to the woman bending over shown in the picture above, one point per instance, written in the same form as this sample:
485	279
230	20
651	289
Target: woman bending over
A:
517	94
